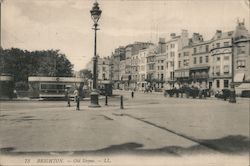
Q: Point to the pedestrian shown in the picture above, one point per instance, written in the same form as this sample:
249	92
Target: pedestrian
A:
76	93
67	97
15	93
78	103
77	98
132	94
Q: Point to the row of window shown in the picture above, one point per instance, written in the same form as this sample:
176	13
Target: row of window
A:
171	46
185	63
225	83
161	76
200	49
160	68
200	59
216	70
184	54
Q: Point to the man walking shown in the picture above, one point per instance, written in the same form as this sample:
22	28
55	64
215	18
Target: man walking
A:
77	98
67	97
132	94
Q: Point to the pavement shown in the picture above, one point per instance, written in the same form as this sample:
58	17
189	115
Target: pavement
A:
149	125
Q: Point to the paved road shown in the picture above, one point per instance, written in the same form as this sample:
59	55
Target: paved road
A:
149	124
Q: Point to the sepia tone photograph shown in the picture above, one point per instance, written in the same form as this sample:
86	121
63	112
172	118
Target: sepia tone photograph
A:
124	82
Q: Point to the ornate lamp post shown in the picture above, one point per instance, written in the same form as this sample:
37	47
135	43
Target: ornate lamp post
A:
232	98
95	14
1	1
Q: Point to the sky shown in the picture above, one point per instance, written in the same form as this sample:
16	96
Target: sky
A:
67	25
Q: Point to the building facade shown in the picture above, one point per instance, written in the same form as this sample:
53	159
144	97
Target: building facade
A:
215	63
221	60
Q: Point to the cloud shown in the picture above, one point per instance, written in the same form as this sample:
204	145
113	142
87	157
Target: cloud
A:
66	24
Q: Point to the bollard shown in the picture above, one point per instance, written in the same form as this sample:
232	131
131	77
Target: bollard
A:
121	104
106	100
78	103
68	101
177	94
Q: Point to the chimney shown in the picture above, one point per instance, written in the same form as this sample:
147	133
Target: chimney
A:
172	35
162	40
184	33
218	31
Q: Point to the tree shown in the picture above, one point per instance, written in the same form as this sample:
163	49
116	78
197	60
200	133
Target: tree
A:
85	73
22	64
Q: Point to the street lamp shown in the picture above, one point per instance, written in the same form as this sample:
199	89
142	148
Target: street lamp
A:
95	14
1	1
232	98
173	72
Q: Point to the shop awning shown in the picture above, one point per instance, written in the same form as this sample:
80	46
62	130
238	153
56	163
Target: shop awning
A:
200	68
181	73
239	77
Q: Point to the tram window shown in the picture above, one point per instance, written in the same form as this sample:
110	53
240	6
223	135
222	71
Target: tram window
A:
52	86
60	87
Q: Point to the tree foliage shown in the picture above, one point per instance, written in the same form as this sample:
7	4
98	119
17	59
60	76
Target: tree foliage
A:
86	74
22	63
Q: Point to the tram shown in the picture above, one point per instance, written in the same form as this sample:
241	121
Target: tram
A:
53	87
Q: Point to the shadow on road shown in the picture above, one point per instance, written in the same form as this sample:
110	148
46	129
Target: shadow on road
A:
232	144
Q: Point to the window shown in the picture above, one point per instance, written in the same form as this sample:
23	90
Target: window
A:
194	50
158	67
240	50
179	64
162	61
226	68
200	49
218	83
207	48
179	55
226	57
185	62
162	76
206	59
226	44
218	58
167	65
172	54
217	70
241	64
201	59
226	83
172	75
172	45
162	67
151	67
194	60
172	64
218	45
186	53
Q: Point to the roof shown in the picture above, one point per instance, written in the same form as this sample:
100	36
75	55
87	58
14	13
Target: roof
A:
55	79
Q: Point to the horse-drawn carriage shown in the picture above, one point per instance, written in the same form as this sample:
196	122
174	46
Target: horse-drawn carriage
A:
188	91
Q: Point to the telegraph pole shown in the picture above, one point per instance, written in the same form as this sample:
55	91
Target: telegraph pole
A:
1	1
